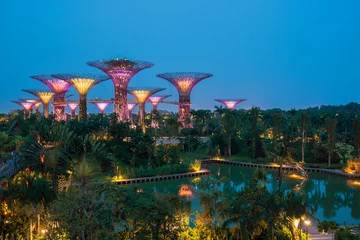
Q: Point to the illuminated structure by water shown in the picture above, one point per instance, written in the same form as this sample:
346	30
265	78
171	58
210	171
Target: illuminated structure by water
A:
101	104
73	106
184	83
82	83
59	87
120	72
26	106
45	97
142	95
130	108
36	102
230	103
155	100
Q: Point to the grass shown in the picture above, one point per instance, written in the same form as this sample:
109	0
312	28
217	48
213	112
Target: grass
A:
189	157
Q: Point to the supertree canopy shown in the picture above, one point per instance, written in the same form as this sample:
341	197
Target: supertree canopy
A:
73	106
155	100
184	83
141	95
59	87
26	105
45	97
120	71
101	104
82	83
36	102
230	103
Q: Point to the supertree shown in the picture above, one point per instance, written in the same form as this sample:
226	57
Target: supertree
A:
45	97
101	104
59	87
155	100
130	108
36	102
184	83
230	103
142	95
82	83
73	106
120	71
26	106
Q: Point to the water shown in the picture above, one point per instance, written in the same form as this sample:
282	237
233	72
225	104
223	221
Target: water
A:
336	198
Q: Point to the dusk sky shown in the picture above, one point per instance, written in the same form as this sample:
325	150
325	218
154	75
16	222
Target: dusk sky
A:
283	53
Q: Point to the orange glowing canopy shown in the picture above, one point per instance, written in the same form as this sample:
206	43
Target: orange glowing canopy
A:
142	94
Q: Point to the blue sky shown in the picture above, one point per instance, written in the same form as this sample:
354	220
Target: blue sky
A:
287	54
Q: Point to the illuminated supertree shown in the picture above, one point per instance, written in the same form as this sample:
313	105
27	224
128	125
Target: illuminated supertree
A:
130	108
82	83
73	106
155	100
142	95
101	104
230	103
120	71
59	87
36	102
45	97
184	83
26	106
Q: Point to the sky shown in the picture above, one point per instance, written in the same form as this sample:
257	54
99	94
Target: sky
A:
277	54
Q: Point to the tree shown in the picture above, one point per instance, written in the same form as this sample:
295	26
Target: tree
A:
279	147
356	129
254	129
330	125
304	122
84	213
228	123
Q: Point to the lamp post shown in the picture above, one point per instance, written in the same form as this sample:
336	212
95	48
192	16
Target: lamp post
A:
307	223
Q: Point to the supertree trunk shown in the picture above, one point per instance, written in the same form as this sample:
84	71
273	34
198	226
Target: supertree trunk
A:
46	109
184	114
154	121
59	110
142	116
120	103
73	114
82	108
26	113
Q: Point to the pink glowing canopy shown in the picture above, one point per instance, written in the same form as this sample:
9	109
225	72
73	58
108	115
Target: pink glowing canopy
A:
132	105
120	70
230	103
155	100
26	105
72	105
101	104
56	85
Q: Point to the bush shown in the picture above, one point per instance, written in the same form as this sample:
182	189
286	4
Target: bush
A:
345	234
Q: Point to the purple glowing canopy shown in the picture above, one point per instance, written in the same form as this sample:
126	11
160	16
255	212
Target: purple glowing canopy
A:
184	81
118	66
56	85
230	103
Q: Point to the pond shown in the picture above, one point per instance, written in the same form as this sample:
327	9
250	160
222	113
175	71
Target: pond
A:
337	198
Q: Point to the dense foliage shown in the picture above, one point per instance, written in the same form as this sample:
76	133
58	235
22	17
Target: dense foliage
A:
69	165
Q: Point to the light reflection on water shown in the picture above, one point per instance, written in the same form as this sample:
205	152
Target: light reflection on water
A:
335	197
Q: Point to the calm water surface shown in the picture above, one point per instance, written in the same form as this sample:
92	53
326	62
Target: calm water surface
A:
336	198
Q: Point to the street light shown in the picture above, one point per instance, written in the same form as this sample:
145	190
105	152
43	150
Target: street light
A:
307	223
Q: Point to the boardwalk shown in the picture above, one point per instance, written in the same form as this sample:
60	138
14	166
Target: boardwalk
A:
162	177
